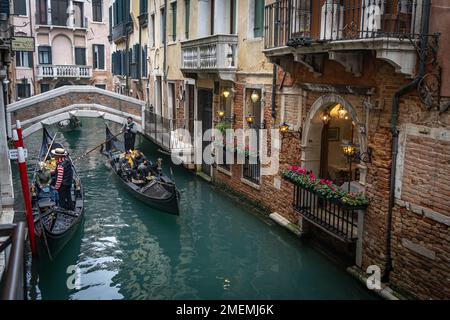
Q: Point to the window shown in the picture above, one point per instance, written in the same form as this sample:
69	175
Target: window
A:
152	21
121	11
258	18
143	6
45	55
173	6
80	56
42	12
163	25
187	15
24	59
171	105
23	90
60	11
144	71
20	7
45	87
78	16
110	22
99	56
97	10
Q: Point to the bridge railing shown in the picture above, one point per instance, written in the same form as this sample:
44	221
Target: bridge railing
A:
12	244
163	131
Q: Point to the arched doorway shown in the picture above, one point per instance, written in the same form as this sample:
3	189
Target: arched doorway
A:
331	123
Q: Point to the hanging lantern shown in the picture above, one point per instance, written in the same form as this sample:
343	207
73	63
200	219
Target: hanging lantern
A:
342	112
255	96
325	117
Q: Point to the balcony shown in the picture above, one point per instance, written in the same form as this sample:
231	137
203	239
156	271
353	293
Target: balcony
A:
341	29
121	31
64	71
210	55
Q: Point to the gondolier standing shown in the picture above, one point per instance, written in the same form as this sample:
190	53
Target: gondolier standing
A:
64	178
130	130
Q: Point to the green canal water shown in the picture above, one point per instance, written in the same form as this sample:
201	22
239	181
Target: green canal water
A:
215	249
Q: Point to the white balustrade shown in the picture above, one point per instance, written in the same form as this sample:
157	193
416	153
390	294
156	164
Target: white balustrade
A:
213	52
64	71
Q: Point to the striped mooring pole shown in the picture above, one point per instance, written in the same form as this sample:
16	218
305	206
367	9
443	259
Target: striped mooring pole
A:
18	142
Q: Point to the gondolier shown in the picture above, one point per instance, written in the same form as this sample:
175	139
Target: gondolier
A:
130	130
64	178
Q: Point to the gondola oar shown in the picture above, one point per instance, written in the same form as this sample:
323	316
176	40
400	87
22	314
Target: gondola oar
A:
100	145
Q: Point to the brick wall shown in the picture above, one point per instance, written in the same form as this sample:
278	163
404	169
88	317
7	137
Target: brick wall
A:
420	245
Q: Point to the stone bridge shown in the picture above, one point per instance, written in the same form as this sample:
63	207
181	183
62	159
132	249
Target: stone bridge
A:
81	101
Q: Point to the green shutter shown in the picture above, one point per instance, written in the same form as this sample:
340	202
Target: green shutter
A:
259	18
174	21
187	17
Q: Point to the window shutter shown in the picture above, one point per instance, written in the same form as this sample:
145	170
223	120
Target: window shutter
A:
101	58
258	18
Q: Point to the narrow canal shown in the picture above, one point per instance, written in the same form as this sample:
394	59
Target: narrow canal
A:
215	249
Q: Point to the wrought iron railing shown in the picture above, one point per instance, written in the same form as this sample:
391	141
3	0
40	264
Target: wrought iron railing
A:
330	215
223	163
300	22
12	244
251	169
64	71
164	132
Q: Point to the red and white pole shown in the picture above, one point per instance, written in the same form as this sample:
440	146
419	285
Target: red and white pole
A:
19	133
18	142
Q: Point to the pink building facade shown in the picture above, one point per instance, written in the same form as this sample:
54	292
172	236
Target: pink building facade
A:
71	46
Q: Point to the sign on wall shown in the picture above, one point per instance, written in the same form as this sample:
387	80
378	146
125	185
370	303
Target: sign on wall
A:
22	44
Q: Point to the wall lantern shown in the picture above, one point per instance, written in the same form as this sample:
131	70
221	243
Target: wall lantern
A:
284	128
226	93
255	96
349	149
249	119
221	114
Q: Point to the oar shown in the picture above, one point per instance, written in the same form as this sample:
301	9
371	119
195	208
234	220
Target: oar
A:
98	146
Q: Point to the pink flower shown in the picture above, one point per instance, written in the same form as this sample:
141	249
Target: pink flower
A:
311	177
294	168
322	181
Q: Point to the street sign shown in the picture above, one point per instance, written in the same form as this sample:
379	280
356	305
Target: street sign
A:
22	44
13	154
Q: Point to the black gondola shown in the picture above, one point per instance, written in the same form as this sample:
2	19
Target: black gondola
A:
59	224
159	192
73	123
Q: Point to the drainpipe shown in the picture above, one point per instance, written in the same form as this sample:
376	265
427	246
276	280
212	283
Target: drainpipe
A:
394	132
274	93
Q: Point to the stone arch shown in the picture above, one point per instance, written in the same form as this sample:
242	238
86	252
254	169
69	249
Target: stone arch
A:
77	100
312	129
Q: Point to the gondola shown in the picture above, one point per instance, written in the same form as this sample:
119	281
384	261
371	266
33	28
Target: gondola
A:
73	123
54	226
158	191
